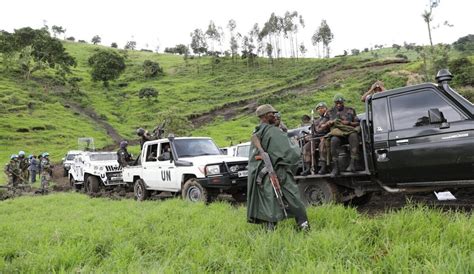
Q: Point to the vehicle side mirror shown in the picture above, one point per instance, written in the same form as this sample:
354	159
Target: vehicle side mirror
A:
435	116
63	159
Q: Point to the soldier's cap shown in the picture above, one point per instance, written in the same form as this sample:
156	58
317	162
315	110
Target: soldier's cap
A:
21	153
264	109
320	105
13	156
338	98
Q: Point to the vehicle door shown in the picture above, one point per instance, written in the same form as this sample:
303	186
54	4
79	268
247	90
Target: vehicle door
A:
421	150
79	168
168	177
151	171
381	128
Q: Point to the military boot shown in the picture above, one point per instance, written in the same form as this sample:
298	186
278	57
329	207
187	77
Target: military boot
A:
335	168
304	227
307	169
351	167
323	169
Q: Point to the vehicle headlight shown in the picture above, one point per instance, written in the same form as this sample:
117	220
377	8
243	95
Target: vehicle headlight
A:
234	168
101	168
212	170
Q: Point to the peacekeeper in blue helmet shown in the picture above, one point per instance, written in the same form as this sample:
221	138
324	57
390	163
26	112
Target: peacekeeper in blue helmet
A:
12	170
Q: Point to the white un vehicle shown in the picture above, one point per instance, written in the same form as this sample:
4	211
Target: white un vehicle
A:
95	170
191	166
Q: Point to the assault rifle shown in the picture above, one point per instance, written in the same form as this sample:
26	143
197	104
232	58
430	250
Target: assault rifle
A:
159	130
271	173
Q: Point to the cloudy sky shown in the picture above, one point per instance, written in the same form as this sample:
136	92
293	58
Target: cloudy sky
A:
355	24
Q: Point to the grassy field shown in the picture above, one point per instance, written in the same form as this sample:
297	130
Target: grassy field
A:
71	232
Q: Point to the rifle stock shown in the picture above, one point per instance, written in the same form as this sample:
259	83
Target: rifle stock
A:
271	173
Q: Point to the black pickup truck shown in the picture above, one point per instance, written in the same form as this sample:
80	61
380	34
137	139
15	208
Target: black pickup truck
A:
413	139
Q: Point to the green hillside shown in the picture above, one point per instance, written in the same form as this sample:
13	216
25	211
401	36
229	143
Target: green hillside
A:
43	114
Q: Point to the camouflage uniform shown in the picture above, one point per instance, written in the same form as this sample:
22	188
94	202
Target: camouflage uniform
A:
46	170
317	133
23	163
12	170
346	114
123	157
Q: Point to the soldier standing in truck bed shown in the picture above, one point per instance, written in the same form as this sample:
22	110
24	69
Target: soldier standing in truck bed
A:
318	130
144	136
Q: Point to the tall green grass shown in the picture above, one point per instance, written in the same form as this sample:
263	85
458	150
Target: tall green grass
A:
74	233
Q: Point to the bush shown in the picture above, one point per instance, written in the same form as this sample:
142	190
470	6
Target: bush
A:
463	71
106	65
151	69
71	38
402	56
148	93
465	44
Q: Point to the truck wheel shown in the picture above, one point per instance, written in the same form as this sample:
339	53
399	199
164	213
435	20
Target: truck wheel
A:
72	182
362	200
66	172
92	184
319	193
140	191
194	192
240	196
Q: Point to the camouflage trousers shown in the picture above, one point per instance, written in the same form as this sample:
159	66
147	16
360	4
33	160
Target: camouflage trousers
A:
12	180
45	178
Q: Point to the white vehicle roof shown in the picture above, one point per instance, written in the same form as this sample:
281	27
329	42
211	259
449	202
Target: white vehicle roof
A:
74	151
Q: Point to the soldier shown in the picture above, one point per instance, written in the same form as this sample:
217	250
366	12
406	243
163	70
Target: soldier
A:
12	170
24	164
345	120
262	205
279	124
123	157
305	121
318	130
376	87
33	168
46	170
144	136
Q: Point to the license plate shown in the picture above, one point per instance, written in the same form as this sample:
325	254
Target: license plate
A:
243	173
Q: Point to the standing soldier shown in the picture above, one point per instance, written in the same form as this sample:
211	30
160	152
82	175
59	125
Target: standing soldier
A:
144	136
24	164
376	87
123	157
262	205
12	170
33	168
46	170
318	130
345	119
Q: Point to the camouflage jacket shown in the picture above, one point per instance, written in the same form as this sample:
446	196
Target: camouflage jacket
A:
123	157
12	168
317	127
346	114
45	165
23	163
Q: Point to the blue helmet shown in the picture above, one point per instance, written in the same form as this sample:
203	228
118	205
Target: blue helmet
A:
14	156
21	153
46	154
30	156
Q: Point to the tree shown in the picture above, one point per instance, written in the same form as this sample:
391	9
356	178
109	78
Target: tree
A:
114	45
130	45
465	44
234	43
57	30
396	47
316	40
198	42
213	34
148	93
71	38
355	51
303	49
96	39
151	69
106	66
326	36
7	48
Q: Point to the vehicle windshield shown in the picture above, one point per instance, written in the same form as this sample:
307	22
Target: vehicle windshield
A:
196	147
243	151
70	157
103	157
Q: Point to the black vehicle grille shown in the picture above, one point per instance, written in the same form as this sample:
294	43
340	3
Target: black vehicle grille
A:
113	168
114	176
238	166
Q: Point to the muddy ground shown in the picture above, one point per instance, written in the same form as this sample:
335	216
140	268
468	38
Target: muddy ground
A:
380	202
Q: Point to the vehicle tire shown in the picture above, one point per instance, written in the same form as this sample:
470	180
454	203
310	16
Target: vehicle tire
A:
319	193
240	196
140	191
194	192
65	173
362	200
72	182
92	184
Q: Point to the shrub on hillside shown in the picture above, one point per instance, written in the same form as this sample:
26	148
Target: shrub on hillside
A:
402	56
465	44
463	71
148	93
151	69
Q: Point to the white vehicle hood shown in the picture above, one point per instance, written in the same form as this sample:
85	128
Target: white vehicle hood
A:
211	159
